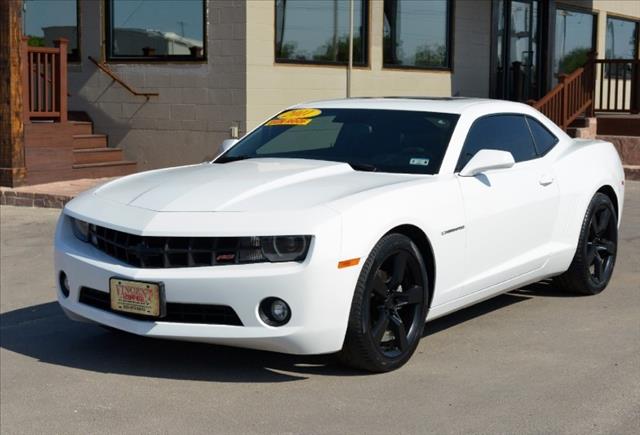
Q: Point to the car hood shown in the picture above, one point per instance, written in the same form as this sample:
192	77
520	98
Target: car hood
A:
246	185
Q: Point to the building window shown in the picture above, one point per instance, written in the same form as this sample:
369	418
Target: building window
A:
156	30
317	31
48	20
622	39
417	34
575	39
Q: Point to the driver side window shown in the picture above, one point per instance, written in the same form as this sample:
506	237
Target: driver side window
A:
499	132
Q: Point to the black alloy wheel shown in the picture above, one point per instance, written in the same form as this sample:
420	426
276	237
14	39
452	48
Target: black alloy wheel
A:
595	257
389	307
601	244
396	299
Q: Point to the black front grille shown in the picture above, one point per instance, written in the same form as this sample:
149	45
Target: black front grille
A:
176	312
171	252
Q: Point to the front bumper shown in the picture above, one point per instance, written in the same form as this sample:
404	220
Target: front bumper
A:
318	293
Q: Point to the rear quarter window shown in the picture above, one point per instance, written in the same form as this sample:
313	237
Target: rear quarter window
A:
544	140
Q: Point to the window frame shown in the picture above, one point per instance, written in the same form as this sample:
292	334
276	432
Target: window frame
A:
171	58
636	49
459	168
449	40
366	22
71	58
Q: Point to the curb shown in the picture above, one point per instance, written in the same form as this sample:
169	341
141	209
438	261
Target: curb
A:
30	199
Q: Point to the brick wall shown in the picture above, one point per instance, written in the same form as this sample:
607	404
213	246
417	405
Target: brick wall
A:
198	102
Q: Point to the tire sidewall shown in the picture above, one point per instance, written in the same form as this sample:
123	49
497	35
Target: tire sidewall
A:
598	200
387	245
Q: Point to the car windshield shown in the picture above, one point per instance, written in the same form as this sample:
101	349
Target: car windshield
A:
367	139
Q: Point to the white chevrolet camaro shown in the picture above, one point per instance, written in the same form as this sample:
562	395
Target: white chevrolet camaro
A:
342	226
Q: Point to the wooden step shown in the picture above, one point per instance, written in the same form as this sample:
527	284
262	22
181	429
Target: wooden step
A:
96	155
619	125
104	169
81	127
89	141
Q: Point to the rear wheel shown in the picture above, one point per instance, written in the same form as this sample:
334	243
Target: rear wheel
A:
389	307
593	263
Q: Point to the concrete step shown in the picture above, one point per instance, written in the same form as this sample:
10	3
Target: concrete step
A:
583	128
97	155
628	147
104	169
89	141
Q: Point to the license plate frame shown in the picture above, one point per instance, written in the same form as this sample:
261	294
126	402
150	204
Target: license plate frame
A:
153	305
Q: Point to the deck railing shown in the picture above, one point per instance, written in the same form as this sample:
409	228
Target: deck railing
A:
572	96
44	78
618	85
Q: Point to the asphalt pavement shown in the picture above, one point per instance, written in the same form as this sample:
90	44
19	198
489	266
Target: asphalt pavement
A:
531	361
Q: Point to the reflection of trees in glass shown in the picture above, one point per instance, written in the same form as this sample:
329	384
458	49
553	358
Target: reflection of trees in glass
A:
288	50
427	55
573	60
338	51
35	41
431	55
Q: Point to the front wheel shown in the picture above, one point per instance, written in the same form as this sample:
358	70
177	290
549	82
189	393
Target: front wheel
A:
595	257
389	307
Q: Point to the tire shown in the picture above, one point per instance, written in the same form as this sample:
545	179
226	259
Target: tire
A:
389	307
594	260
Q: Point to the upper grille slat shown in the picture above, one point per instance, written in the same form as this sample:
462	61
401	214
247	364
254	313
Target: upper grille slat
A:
170	252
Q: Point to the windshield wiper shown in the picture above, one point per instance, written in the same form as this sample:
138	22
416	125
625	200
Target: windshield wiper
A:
362	167
227	159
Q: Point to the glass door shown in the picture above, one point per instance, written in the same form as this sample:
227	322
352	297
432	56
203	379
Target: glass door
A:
517	53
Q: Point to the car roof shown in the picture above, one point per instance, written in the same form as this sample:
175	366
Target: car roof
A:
455	105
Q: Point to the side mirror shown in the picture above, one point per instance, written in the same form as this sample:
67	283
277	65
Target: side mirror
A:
226	144
485	160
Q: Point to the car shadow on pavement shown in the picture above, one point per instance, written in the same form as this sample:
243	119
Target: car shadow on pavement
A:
44	333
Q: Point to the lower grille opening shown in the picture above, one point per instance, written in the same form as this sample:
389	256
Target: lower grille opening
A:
176	312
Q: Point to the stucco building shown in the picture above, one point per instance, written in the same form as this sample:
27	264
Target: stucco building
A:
216	68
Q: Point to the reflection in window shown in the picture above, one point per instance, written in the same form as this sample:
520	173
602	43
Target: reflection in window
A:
499	132
48	20
416	33
574	40
160	29
317	31
621	39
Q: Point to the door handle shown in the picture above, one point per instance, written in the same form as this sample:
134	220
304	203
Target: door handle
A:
545	180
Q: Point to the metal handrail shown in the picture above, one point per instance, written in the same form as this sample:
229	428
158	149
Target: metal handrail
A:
104	68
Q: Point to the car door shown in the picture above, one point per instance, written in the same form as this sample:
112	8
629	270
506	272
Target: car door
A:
510	213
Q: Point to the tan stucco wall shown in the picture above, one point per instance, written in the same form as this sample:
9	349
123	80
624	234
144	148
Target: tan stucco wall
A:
272	87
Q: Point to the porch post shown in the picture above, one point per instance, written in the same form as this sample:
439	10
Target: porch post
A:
61	84
12	158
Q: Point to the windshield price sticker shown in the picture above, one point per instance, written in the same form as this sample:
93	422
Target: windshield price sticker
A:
300	113
292	121
295	117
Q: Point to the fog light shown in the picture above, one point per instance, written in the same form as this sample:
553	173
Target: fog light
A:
274	311
64	284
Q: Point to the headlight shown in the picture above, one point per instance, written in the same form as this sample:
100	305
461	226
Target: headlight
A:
80	229
285	248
